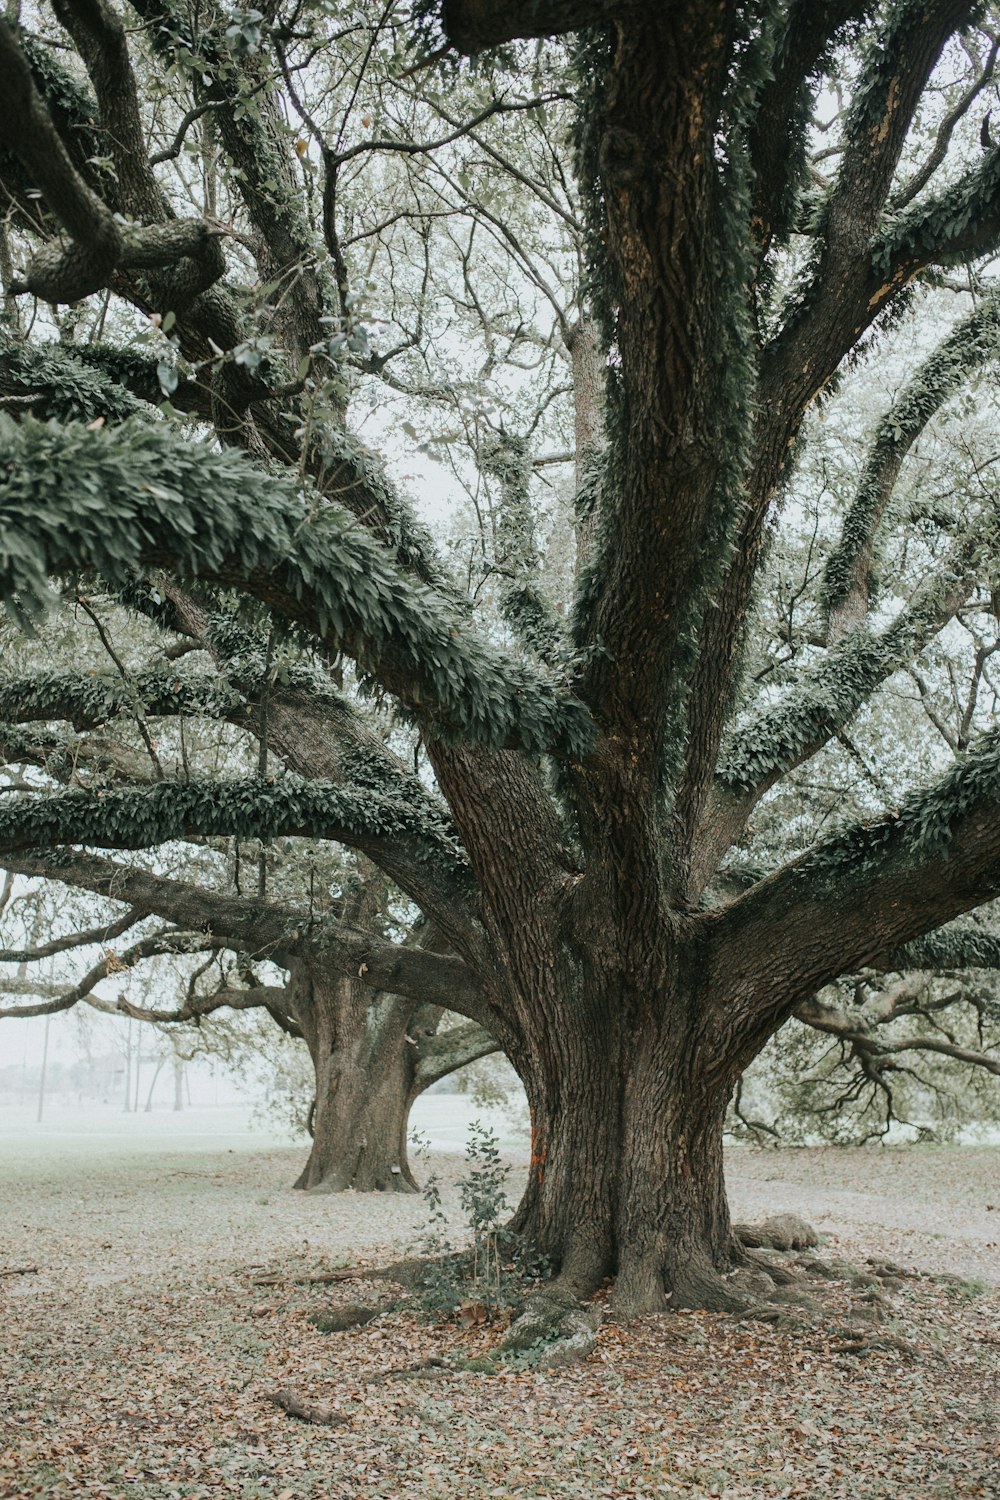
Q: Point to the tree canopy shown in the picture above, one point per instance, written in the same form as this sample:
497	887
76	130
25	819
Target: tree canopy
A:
654	239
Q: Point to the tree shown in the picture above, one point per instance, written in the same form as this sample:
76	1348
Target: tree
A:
571	853
372	1052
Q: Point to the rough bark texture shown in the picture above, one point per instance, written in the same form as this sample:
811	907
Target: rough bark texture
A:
365	1084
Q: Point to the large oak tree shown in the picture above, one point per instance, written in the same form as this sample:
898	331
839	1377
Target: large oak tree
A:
587	788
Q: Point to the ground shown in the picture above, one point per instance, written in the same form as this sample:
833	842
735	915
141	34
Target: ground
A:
136	1361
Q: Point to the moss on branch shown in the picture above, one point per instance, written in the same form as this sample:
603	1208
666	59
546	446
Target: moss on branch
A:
54	382
925	825
73	499
972	342
88	699
782	735
251	808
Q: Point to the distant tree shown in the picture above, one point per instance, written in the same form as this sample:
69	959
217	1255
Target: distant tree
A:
372	1052
568	822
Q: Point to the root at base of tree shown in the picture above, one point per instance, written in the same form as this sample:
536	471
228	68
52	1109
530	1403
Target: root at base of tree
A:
316	1412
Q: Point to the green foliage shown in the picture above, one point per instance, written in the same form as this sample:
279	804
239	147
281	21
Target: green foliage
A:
967	943
480	1276
65	385
261	808
940	230
825	698
93	698
484	1202
73	499
970	344
923	827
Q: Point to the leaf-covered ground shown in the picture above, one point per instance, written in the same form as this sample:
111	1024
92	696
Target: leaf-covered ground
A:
136	1361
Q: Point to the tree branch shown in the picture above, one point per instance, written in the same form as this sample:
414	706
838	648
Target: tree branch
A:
477	25
859	896
447	1051
83	939
970	344
112	963
169	503
257	927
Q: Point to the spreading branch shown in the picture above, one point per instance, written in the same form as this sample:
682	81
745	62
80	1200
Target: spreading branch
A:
118	499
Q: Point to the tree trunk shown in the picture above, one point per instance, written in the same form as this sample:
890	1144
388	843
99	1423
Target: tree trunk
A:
626	1179
628	1102
364	1086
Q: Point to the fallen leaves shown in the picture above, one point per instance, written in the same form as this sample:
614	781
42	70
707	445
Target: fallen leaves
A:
143	1371
295	1405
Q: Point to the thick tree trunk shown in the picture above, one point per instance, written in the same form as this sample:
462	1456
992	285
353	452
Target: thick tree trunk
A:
365	1084
626	1178
359	1128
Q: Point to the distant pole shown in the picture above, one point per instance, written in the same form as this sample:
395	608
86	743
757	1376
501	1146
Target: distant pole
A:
128	1067
138	1061
178	1084
45	1060
152	1086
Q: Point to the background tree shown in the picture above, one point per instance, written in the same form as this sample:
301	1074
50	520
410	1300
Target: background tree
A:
566	824
372	1052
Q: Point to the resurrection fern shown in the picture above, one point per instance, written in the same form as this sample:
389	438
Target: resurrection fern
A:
250	808
72	499
925	823
824	699
63	386
87	699
970	344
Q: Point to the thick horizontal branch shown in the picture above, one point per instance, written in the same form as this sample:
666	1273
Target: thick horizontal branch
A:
114	499
853	1030
965	944
87	700
475	25
320	735
49	381
262	928
447	1051
864	893
258	997
251	808
253	926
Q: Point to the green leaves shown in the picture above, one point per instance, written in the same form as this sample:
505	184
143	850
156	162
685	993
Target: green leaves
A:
114	500
249	808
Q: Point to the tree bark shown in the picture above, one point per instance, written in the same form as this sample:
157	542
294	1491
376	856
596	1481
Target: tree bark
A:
365	1083
626	1175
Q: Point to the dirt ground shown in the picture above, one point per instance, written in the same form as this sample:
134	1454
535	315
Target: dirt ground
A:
137	1359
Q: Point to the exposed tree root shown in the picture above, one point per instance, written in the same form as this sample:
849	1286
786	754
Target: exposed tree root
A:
780	1272
316	1412
554	1327
782	1232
